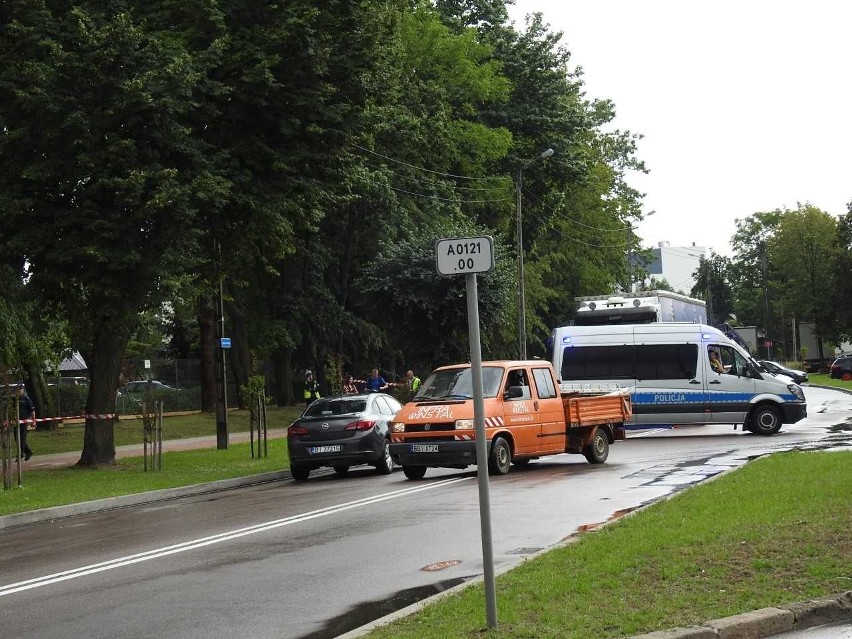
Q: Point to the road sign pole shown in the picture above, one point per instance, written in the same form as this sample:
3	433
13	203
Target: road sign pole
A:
481	449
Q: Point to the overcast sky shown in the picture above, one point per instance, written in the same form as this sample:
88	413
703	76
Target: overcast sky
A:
745	106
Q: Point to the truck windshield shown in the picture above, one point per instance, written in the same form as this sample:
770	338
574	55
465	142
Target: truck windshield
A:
457	383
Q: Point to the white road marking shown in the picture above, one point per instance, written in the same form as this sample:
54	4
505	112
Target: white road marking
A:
156	553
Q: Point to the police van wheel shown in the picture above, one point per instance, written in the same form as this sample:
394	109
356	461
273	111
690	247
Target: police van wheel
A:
765	420
500	458
598	450
414	472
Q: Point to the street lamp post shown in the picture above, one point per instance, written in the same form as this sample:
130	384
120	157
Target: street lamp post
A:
522	303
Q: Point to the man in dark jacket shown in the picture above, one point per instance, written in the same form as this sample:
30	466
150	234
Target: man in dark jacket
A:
26	413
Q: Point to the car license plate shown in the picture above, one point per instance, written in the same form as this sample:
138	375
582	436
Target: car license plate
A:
424	448
325	449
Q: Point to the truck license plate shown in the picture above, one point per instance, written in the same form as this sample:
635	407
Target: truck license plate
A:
325	449
424	448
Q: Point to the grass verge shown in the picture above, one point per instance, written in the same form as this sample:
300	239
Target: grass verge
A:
773	532
822	379
129	431
71	485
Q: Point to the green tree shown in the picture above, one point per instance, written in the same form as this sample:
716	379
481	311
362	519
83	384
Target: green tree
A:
841	300
429	311
102	177
712	284
751	275
805	254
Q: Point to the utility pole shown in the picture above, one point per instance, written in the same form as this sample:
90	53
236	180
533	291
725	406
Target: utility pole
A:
221	370
629	260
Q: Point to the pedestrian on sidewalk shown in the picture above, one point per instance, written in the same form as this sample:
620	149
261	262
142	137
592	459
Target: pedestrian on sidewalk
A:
311	388
26	413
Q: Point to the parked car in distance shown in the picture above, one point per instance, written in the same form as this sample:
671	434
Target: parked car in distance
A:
841	368
774	367
342	431
68	381
140	386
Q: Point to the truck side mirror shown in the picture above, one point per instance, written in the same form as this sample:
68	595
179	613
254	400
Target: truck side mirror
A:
513	392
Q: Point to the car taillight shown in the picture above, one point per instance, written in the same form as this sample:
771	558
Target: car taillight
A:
296	431
361	424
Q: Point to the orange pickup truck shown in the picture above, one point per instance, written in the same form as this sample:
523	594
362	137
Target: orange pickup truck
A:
526	417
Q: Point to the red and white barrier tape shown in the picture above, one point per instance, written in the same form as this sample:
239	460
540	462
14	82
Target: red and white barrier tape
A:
63	418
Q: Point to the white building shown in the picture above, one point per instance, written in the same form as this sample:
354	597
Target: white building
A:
676	264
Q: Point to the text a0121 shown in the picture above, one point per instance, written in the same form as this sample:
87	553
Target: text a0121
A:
461	255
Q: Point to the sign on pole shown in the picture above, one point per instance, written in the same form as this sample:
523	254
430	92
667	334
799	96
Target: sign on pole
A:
469	256
462	255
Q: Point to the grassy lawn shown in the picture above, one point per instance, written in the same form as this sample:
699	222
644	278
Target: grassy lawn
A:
822	379
773	532
59	486
129	431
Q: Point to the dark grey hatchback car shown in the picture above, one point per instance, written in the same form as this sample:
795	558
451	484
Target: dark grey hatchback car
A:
342	431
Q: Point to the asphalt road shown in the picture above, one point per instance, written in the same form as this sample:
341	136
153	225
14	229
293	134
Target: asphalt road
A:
317	558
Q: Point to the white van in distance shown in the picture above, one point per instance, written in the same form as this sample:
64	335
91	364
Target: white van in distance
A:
670	371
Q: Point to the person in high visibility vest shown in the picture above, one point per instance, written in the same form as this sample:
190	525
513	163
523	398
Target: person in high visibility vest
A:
413	382
311	388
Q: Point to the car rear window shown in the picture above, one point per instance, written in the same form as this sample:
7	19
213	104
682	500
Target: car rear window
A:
322	408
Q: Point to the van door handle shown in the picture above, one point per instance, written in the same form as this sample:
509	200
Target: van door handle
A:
694	381
715	381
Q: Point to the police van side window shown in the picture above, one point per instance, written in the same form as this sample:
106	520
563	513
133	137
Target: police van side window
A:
597	362
666	361
646	361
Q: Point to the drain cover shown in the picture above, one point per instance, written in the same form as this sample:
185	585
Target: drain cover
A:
441	565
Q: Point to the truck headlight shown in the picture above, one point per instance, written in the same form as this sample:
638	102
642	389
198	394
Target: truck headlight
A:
397	427
464	424
797	391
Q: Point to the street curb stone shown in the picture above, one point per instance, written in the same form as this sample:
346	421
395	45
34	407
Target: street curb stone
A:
754	624
110	503
767	621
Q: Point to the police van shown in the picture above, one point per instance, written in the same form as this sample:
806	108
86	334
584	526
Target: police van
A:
668	370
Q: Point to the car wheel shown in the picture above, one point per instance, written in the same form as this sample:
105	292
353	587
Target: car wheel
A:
846	376
500	458
300	473
414	472
385	465
598	450
765	420
341	471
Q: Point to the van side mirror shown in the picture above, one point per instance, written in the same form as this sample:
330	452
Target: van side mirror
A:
513	392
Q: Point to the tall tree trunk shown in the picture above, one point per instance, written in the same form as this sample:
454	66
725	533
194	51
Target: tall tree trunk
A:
104	361
281	360
207	329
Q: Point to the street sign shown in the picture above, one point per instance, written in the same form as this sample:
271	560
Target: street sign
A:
225	342
463	255
147	363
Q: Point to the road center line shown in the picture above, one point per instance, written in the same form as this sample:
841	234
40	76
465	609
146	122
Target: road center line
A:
218	538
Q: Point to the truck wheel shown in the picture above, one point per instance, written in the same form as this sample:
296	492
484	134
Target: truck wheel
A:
598	450
414	472
765	420
341	471
500	458
385	464
300	473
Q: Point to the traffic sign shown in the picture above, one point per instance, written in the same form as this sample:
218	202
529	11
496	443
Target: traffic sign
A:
225	342
462	255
